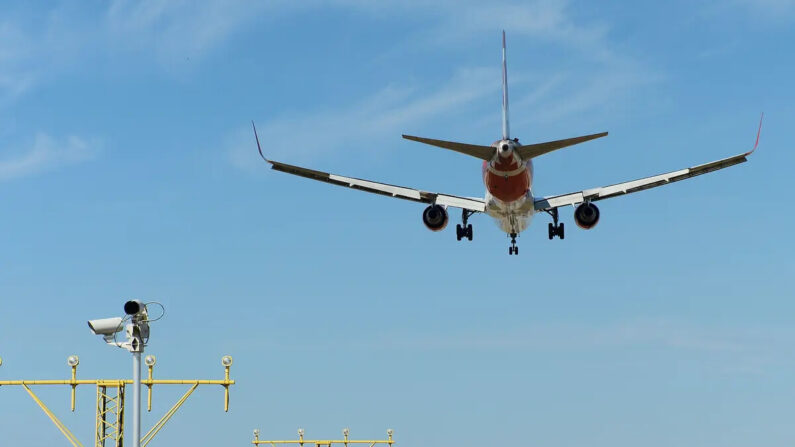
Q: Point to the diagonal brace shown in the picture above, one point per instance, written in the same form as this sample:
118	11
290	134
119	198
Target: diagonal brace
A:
156	428
65	431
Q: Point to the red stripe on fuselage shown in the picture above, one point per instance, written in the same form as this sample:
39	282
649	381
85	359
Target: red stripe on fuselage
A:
510	182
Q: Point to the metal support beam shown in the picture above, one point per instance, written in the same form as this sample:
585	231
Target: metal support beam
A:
68	434
156	428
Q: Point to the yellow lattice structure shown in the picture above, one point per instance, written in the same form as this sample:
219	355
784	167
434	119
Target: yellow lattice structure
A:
110	401
346	441
110	414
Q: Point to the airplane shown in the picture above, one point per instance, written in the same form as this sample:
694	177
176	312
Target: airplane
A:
507	173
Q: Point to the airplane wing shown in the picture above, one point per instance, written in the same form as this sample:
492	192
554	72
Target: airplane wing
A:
619	189
399	192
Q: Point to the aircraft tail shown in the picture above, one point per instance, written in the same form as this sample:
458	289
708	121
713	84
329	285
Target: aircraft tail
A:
505	126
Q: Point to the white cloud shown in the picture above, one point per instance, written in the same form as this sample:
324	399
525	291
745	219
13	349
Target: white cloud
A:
178	29
388	112
47	154
599	77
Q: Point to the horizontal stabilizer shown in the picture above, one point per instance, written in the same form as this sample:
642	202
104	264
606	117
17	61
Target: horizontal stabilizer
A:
473	150
534	150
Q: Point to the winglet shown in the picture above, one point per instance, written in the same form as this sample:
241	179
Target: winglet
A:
256	137
758	132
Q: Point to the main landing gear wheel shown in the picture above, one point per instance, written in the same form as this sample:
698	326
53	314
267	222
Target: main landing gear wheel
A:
464	230
556	229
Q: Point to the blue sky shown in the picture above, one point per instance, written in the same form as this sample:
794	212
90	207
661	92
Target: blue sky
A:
128	170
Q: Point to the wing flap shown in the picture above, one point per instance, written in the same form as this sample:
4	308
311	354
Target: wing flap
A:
619	189
385	189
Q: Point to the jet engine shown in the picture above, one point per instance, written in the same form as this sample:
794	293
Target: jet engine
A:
586	216
435	217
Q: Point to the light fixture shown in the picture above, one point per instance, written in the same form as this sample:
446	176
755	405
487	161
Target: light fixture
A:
150	360
226	360
301	432
389	432
256	433
73	360
346	431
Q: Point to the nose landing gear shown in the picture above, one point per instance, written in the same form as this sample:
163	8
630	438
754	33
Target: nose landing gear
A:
513	249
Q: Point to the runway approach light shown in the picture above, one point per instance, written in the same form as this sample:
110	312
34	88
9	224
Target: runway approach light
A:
150	360
73	360
226	360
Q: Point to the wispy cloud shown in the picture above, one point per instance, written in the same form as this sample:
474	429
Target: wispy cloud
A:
733	349
179	29
387	112
604	75
47	153
772	9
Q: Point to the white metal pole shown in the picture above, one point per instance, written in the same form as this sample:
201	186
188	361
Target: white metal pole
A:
136	434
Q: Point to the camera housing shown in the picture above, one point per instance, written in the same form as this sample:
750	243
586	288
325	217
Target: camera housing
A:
106	326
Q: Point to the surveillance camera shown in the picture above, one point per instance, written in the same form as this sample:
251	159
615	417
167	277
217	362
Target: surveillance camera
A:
105	326
134	307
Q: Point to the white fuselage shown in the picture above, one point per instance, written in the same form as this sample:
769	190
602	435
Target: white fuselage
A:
509	180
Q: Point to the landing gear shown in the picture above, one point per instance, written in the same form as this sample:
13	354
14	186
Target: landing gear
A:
555	229
513	249
464	230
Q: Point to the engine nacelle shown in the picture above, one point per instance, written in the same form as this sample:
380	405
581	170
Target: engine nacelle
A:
586	216
435	217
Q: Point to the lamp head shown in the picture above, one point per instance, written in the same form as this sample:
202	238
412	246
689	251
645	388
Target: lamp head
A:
150	360
226	360
73	360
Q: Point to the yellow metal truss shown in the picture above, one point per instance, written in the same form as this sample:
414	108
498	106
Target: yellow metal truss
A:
324	442
109	425
110	414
